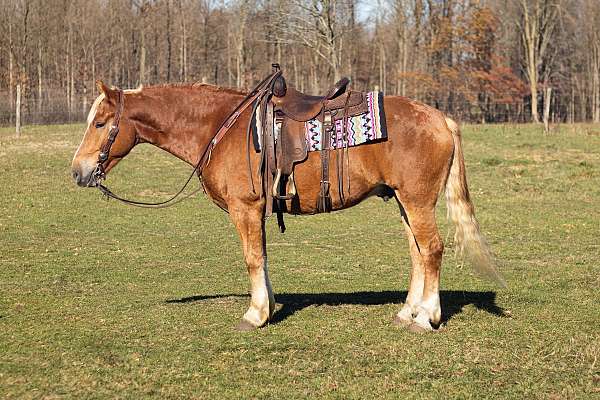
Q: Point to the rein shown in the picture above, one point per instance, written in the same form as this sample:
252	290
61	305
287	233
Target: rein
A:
263	89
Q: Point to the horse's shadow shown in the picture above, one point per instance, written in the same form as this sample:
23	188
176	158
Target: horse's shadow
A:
453	301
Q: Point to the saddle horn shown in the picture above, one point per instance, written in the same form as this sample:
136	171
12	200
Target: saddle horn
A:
279	87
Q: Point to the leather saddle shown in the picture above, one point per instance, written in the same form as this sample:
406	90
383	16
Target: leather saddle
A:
292	110
303	107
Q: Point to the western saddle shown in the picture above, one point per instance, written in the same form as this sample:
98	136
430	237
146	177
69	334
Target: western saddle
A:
290	110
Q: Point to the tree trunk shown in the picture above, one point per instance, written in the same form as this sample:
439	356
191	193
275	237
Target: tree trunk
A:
155	73
535	117
332	40
595	69
72	77
84	101
295	68
547	100
183	48
39	75
93	81
142	57
538	23
18	111
67	75
229	72
240	45
11	66
168	33
572	105
382	70
582	100
402	58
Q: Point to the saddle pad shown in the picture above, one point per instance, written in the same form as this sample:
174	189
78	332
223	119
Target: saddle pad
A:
360	129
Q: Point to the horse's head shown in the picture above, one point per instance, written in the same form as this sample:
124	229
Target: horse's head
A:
95	156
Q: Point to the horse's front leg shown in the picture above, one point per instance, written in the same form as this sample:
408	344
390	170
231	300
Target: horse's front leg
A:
251	227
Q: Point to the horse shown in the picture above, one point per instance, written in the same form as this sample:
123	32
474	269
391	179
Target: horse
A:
421	158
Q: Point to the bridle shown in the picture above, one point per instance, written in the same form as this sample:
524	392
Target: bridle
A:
99	173
260	92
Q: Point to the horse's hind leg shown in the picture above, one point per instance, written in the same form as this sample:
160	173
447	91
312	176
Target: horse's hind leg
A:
426	253
417	280
251	227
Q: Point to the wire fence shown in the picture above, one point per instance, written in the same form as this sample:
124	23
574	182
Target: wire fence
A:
55	107
52	107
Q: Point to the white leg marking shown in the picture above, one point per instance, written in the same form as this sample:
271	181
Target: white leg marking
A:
417	280
405	315
429	311
262	303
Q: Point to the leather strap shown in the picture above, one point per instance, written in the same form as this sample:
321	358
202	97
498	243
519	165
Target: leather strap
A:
324	197
268	145
340	152
114	130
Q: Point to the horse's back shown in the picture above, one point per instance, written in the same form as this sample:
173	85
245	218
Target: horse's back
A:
405	115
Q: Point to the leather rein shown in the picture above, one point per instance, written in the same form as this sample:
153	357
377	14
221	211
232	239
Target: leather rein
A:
263	89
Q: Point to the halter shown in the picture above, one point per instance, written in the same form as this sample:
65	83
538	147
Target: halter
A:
263	89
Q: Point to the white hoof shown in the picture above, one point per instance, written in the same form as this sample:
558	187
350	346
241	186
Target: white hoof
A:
421	323
404	316
256	316
245	326
431	310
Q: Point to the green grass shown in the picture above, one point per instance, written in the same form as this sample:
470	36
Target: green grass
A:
99	300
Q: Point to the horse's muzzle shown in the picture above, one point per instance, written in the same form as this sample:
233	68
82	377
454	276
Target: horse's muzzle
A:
83	179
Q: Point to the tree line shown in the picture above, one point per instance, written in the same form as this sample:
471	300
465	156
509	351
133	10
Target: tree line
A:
478	60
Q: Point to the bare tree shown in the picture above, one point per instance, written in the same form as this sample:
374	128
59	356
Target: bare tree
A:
591	21
142	8
480	60
183	43
318	25
539	19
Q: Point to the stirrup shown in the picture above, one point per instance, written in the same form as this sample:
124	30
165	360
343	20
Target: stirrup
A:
289	195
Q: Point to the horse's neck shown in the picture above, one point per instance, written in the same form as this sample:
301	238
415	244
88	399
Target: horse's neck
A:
183	128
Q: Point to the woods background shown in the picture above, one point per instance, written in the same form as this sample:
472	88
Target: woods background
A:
478	60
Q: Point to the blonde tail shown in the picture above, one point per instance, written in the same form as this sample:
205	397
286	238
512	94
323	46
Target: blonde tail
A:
468	239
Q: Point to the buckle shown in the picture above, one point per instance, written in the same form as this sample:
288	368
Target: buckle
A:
98	174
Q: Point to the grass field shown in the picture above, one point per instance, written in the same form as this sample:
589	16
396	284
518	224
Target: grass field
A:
99	300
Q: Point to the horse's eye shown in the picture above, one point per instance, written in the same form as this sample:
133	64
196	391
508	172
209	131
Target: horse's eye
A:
99	125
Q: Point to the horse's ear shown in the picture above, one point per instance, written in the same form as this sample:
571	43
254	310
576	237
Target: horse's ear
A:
109	93
102	88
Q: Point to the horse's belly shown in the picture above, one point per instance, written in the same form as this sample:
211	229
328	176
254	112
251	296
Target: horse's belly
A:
353	177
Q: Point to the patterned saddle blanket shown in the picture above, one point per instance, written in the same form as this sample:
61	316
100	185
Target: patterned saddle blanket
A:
360	129
364	128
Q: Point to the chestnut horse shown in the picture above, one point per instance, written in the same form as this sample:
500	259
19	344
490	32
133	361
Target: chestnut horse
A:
421	157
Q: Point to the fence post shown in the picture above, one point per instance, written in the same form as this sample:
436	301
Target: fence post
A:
18	111
547	100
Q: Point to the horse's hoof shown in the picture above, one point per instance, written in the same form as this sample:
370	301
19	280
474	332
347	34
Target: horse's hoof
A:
401	322
245	326
416	328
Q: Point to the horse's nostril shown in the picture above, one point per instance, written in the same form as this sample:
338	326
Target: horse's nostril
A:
76	176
